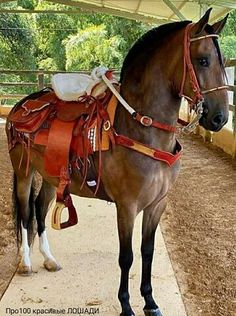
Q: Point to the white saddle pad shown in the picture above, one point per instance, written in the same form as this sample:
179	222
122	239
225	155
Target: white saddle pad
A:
71	86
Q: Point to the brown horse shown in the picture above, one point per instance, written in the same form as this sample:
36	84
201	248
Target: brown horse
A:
158	70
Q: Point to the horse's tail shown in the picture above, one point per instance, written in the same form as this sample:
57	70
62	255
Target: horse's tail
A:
17	216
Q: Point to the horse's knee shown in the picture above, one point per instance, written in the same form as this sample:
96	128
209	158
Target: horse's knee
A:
126	260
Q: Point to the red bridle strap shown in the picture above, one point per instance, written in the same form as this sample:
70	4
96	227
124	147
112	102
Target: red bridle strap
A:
188	66
148	122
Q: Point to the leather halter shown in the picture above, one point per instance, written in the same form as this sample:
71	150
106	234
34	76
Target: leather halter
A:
188	66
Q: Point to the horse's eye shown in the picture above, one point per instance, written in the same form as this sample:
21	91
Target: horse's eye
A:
204	62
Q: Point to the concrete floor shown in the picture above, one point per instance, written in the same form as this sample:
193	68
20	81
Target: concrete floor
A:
88	254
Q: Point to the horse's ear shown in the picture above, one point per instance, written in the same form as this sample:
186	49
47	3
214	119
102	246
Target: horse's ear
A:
218	26
201	24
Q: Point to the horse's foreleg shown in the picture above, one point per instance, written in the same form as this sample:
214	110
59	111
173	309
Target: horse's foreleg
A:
125	228
151	217
42	203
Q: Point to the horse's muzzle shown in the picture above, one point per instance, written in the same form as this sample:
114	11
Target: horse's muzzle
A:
214	122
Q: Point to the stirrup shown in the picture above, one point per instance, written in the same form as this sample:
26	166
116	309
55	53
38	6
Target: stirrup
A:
57	213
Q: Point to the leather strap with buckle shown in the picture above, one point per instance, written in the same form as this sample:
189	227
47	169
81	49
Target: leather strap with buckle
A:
148	122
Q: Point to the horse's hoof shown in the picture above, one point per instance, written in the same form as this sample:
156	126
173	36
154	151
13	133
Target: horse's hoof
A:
24	270
51	265
130	313
152	312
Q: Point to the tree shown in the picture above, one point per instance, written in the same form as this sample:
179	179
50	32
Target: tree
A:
228	38
17	40
92	47
52	29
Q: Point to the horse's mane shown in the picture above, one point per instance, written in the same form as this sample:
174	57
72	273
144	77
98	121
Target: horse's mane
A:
153	38
150	41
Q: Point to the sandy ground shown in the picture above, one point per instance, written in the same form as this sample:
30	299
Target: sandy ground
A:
90	273
199	228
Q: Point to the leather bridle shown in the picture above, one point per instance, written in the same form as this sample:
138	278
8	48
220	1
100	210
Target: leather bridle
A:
196	102
188	67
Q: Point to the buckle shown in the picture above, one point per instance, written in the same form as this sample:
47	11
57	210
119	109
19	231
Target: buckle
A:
107	125
146	121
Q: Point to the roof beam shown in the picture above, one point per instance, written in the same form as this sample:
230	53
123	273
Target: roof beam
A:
174	9
105	10
218	16
179	8
138	6
225	4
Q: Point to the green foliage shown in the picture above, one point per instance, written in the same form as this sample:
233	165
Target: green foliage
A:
72	42
15	37
92	47
228	46
51	31
228	37
27	4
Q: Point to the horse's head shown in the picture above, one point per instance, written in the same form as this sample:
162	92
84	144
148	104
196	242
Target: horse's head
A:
203	80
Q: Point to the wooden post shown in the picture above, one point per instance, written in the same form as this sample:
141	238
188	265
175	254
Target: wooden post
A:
234	147
41	79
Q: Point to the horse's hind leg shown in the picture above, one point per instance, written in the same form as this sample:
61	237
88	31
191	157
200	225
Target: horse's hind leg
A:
151	217
42	203
23	197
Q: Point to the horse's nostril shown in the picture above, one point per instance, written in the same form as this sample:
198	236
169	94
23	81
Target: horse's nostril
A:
218	119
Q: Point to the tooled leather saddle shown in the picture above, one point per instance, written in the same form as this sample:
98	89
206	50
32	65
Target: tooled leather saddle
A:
71	132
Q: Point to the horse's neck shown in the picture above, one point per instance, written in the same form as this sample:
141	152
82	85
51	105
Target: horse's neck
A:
159	104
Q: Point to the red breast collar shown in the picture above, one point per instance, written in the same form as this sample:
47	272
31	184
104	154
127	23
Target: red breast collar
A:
146	121
151	152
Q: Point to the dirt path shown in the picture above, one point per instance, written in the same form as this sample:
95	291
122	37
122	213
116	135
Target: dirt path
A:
7	244
200	230
199	227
